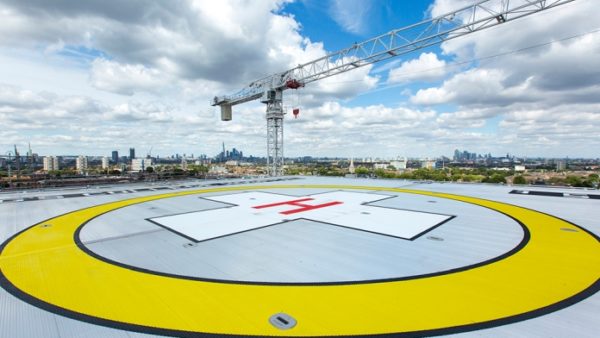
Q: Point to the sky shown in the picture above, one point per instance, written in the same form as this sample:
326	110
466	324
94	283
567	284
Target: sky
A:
89	77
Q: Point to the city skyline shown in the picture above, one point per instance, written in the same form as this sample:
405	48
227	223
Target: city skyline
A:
114	157
129	75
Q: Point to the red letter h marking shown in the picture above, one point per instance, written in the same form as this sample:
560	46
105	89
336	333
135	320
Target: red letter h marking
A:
297	203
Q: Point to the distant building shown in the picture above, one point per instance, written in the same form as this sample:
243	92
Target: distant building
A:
140	164
428	164
217	170
561	165
81	164
227	155
351	167
105	162
51	163
131	154
184	164
519	168
115	156
464	156
399	164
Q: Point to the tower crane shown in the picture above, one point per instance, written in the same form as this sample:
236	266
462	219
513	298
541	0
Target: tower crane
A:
473	18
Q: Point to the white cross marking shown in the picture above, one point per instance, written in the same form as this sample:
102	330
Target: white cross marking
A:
342	208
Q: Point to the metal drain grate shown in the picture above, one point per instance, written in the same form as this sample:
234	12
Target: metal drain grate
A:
190	245
282	321
435	238
569	229
46	225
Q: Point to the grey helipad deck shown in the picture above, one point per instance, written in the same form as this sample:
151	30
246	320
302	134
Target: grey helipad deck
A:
297	251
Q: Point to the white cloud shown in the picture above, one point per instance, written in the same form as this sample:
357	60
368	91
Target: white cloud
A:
11	96
351	15
228	42
477	87
89	54
426	68
67	66
341	86
546	99
126	79
441	7
134	111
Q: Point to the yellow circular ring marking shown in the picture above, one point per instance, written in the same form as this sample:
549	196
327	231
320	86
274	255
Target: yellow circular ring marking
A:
43	265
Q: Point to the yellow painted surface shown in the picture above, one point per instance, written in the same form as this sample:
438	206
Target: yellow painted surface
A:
45	263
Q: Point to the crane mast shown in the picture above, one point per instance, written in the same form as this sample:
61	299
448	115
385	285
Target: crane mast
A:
467	20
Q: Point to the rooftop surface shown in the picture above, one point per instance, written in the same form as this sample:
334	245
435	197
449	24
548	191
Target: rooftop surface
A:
300	257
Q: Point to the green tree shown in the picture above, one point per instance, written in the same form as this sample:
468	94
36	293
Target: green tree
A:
292	171
519	180
361	171
495	178
470	178
149	170
405	176
573	181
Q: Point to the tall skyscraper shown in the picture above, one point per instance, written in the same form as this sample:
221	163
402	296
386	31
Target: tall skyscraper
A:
115	156
105	162
131	153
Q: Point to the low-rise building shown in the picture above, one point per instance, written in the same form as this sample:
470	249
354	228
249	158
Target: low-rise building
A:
81	163
140	164
105	163
428	164
51	163
519	168
399	164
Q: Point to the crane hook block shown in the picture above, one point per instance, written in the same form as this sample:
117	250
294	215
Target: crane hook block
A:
293	84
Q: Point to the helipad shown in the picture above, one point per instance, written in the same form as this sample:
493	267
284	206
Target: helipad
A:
302	257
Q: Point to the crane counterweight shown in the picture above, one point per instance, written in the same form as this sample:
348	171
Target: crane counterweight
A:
226	112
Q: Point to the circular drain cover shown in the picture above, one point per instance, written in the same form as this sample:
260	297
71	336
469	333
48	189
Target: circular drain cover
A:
282	321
